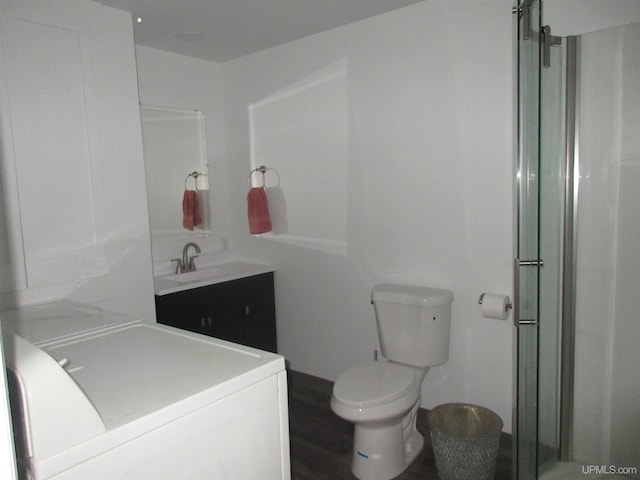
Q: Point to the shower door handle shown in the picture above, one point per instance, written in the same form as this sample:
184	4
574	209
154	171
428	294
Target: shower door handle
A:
531	263
517	264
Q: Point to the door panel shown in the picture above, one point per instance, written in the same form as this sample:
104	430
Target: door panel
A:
527	243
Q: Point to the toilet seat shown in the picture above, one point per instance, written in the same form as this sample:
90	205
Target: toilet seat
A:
374	384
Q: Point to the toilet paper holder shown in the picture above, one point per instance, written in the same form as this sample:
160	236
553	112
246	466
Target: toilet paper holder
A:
508	306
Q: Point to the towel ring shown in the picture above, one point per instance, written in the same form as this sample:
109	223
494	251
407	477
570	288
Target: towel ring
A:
195	176
262	169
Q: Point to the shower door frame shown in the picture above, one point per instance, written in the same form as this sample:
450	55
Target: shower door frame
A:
568	320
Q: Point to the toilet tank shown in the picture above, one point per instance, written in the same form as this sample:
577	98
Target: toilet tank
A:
413	323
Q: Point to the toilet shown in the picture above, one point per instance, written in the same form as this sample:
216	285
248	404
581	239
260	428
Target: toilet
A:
382	397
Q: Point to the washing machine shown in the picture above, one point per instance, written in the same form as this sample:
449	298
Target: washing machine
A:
99	395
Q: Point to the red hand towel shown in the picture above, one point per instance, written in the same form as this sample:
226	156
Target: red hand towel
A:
258	211
190	210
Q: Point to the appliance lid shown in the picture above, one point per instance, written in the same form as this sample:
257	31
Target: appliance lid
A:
46	323
137	369
373	384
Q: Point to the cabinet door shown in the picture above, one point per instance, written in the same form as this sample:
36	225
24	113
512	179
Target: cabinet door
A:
181	310
52	153
209	310
225	317
258	307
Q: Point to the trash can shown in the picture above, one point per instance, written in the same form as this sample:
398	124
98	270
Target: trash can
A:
465	441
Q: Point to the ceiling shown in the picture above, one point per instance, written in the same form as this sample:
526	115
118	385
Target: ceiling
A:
221	30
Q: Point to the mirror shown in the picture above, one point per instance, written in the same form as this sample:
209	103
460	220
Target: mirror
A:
176	172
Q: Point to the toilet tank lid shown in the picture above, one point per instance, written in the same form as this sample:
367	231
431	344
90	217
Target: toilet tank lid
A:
411	295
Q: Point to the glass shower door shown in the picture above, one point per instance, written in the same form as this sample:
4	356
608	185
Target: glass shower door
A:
540	182
528	17
574	410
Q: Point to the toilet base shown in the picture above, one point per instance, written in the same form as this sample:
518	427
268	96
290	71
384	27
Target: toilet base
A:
383	451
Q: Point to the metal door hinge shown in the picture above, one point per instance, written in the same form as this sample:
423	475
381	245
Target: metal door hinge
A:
548	41
524	9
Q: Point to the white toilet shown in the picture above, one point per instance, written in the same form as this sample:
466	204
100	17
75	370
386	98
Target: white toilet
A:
382	398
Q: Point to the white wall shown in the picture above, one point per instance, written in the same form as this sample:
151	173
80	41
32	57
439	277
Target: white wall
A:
125	284
425	97
170	80
607	386
575	17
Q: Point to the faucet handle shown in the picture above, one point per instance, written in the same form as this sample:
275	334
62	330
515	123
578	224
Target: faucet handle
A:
192	265
179	265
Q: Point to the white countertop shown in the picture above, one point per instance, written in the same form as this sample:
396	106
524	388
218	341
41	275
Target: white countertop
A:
210	270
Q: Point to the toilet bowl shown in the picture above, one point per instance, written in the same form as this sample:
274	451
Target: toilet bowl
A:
382	398
374	392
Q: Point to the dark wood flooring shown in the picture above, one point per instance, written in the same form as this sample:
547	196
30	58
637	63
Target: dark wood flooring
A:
321	442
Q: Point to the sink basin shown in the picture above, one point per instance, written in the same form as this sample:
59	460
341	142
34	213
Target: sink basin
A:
222	270
208	275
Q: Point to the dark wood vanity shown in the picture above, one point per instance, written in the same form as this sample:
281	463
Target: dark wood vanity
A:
241	311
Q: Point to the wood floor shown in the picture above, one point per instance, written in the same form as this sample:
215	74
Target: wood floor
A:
321	442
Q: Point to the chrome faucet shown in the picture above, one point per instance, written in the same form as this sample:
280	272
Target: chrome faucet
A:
186	264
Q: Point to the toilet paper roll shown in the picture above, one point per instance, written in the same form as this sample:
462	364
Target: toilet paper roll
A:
495	306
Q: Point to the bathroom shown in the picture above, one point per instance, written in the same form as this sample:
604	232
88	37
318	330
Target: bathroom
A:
417	186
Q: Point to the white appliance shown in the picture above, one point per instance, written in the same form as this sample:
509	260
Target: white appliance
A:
102	396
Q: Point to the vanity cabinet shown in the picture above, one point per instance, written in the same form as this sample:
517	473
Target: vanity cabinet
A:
241	311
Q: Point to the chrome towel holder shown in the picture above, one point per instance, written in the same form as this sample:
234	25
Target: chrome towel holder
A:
262	169
195	176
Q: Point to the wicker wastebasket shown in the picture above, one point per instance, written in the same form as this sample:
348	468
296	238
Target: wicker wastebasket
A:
465	441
